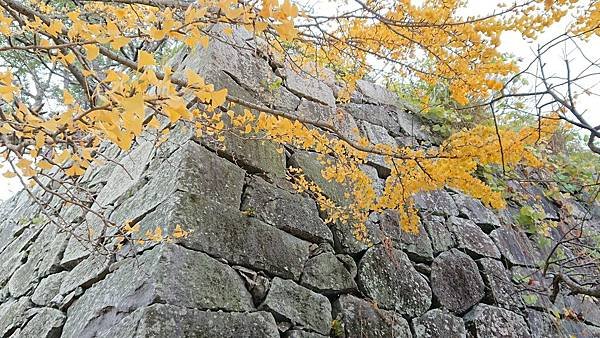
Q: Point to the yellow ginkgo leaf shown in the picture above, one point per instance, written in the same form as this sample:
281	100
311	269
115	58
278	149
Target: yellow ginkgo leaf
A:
67	97
145	59
91	51
9	174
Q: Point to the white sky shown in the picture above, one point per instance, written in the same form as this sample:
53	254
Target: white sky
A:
511	43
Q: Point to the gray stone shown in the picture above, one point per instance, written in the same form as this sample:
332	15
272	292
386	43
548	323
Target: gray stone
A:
436	202
418	246
471	238
572	328
298	305
225	232
377	134
89	271
412	126
326	274
126	174
532	287
307	86
541	324
13	313
474	210
168	273
14	254
191	168
371	172
442	239
314	111
355	317
312	166
290	212
42	260
302	334
499	286
346	242
455	281
83	238
490	321
373	93
384	116
587	307
439	323
387	276
48	288
46	323
515	246
162	320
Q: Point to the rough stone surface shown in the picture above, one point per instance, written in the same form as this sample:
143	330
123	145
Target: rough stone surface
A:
293	213
388	277
312	166
499	287
161	320
355	317
225	232
170	273
490	321
418	246
439	323
472	239
48	288
45	323
308	87
436	202
515	246
299	305
126	174
442	239
474	210
326	274
455	281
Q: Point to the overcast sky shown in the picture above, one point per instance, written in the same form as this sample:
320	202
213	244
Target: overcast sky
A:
511	43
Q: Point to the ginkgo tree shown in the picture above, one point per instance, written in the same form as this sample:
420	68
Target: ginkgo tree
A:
78	73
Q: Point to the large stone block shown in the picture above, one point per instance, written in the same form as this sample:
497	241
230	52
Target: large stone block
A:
471	238
490	321
166	273
126	174
417	245
515	246
45	323
387	276
355	317
474	210
439	323
455	281
499	287
293	213
442	238
225	232
326	274
436	202
312	167
307	86
42	260
162	320
298	305
191	168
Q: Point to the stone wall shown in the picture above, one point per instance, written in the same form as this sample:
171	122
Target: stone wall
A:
260	261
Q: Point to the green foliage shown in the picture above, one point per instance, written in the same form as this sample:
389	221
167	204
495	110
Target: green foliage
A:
529	217
530	299
337	328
